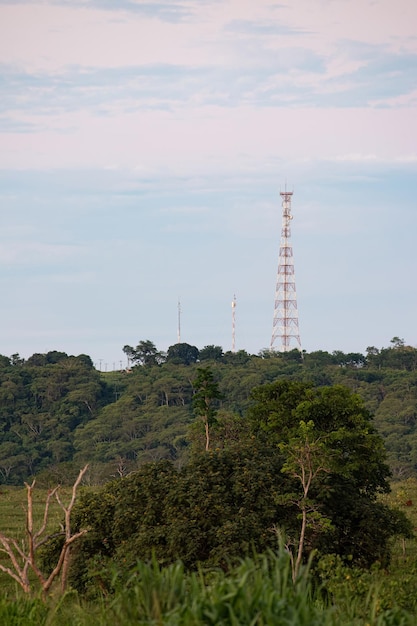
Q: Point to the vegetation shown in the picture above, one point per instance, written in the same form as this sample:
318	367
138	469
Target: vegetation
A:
257	591
206	396
57	412
317	482
222	488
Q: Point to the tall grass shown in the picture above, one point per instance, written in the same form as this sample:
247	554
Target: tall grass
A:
258	592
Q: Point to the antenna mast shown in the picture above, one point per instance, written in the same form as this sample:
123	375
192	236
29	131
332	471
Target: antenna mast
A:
285	322
179	322
234	324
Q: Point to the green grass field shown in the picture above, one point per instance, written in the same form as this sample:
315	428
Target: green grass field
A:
13	510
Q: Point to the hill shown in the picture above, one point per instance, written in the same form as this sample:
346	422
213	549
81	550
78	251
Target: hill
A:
58	412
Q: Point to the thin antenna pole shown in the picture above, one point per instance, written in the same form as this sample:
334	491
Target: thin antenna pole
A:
179	322
234	324
285	322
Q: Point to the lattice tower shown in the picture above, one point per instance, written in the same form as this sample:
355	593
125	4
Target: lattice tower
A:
179	322
234	324
285	322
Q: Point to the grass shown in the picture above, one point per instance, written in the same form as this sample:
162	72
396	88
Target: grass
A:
258	592
13	510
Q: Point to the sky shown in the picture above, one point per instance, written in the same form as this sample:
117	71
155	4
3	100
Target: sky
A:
143	148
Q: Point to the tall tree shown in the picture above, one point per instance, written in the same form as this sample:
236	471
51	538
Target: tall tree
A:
306	457
345	491
206	399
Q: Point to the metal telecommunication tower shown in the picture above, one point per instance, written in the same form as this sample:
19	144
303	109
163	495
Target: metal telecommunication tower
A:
234	324
179	322
285	323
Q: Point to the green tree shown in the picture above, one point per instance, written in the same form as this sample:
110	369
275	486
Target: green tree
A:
206	399
145	353
241	357
182	354
217	508
16	359
397	342
214	353
306	457
346	494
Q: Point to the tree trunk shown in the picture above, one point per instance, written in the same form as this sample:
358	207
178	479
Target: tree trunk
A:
207	435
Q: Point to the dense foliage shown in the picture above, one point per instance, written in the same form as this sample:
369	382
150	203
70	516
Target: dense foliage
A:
217	457
43	402
227	502
57	411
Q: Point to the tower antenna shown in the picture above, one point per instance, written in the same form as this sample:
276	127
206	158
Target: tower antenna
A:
234	324
179	322
285	322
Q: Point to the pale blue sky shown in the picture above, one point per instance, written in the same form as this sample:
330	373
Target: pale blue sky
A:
143	146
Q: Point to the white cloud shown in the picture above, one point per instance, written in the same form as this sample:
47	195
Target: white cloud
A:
211	138
44	36
407	100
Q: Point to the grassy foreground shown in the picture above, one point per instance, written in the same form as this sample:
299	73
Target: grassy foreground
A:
258	592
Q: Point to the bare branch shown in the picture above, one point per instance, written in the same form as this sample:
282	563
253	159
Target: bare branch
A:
18	571
61	560
40	532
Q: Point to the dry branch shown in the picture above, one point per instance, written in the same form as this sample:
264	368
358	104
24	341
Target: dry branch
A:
22	560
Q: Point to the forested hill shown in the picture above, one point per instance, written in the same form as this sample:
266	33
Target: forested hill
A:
58	412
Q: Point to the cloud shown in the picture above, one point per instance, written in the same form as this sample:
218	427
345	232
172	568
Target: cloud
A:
380	74
143	146
355	76
255	28
211	139
9	124
105	91
164	11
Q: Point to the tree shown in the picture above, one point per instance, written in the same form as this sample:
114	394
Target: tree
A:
25	557
397	342
214	353
206	399
54	356
217	508
319	359
344	491
182	354
37	359
351	359
145	353
4	361
241	357
306	458
15	359
311	465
